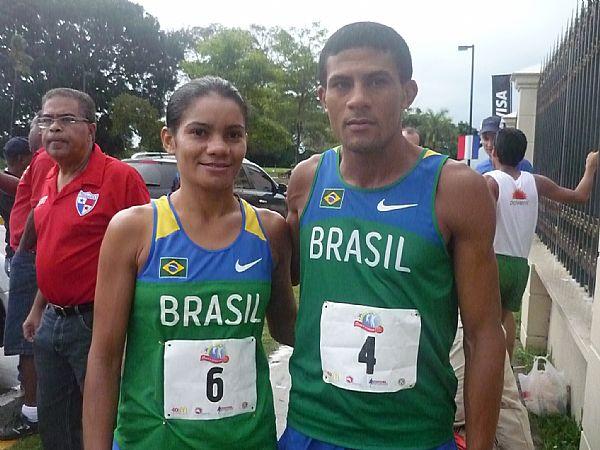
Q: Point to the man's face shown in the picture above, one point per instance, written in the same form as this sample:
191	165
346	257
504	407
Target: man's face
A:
487	140
66	143
365	98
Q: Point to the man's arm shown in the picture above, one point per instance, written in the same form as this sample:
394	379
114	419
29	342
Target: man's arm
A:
8	183
297	196
548	188
282	310
120	257
32	322
29	236
468	222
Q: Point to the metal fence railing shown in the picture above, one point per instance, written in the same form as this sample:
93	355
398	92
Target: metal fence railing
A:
567	128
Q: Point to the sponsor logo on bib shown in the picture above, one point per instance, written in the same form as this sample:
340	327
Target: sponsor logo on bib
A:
215	354
369	322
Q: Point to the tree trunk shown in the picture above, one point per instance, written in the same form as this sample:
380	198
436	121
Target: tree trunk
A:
12	104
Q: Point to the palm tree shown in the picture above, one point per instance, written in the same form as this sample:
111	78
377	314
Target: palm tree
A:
21	63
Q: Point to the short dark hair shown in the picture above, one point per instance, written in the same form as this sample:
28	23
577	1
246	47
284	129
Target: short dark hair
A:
86	103
367	34
183	97
510	145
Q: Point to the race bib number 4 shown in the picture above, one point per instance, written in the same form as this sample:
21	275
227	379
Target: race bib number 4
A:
209	379
369	349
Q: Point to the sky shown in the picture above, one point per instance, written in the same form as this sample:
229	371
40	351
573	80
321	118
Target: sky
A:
508	36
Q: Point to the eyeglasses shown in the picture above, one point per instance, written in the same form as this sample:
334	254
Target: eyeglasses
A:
44	122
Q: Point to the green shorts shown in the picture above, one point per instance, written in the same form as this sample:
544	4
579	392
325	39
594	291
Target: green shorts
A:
512	273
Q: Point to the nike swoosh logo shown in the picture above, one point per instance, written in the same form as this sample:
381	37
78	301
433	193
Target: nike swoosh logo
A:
382	207
243	267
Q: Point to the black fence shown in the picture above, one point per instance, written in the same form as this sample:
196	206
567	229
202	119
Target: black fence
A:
567	128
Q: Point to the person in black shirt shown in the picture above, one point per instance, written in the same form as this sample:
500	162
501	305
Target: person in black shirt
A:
18	156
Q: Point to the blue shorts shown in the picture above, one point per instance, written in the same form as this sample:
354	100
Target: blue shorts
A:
22	290
294	440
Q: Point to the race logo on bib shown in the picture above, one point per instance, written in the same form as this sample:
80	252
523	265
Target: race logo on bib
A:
215	354
369	322
85	202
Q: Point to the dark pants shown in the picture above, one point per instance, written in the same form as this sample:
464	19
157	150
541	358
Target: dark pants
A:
61	348
23	287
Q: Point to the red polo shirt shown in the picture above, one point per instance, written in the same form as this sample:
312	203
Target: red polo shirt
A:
70	225
29	192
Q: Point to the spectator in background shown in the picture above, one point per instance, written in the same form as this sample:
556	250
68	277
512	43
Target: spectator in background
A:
18	157
516	195
489	129
23	283
81	194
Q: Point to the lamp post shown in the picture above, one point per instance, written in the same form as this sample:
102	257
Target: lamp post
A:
472	48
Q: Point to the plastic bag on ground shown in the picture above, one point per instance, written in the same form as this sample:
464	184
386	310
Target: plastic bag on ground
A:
544	390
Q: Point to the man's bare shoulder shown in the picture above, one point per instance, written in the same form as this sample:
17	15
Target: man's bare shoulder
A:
304	172
462	197
300	183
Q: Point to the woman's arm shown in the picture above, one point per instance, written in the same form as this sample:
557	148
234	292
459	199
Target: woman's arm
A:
282	309
123	251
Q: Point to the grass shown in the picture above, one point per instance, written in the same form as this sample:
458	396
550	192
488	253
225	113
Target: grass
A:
28	443
524	357
276	171
557	431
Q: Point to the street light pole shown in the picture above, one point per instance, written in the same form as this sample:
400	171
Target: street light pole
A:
472	48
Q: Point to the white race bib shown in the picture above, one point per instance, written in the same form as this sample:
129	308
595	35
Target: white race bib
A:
209	379
369	349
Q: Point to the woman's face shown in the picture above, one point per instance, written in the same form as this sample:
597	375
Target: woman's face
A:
210	143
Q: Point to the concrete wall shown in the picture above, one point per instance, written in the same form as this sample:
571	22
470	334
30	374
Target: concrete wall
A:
526	84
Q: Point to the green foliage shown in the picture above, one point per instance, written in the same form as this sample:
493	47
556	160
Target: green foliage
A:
436	129
557	431
110	46
275	70
134	115
524	357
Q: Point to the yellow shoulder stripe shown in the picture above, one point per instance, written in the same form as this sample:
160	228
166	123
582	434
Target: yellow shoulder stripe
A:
165	219
252	223
429	153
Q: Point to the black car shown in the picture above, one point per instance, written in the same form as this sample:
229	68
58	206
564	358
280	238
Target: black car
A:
252	183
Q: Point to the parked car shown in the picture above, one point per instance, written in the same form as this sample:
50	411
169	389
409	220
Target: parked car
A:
253	184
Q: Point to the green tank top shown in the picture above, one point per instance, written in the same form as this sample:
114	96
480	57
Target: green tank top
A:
195	373
377	316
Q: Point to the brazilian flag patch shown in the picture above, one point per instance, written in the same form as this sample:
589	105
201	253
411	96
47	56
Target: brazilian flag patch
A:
173	267
332	198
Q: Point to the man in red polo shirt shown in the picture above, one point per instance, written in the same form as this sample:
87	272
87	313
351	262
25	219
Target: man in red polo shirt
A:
80	195
23	284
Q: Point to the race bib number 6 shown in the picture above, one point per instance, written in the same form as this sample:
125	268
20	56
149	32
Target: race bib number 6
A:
369	349
209	379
